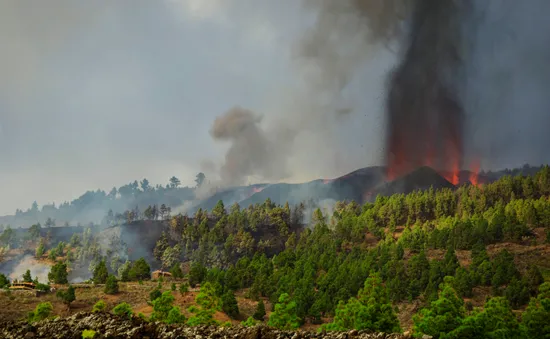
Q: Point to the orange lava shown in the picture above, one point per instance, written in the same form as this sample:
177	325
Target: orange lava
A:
327	181
474	170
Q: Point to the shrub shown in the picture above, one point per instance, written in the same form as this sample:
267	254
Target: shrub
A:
41	312
111	286
67	297
88	334
259	314
42	287
229	304
184	288
176	271
4	281
100	273
155	294
249	322
99	306
123	309
173	287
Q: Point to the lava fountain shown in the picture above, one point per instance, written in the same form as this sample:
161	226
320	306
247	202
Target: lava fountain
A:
425	116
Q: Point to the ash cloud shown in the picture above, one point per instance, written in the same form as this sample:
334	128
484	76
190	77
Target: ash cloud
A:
251	151
331	57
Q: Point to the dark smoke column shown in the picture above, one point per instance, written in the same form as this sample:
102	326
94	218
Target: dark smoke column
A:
425	116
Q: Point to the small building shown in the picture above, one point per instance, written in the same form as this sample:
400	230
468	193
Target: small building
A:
158	273
22	286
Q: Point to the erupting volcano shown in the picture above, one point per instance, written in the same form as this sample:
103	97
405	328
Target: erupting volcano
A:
425	115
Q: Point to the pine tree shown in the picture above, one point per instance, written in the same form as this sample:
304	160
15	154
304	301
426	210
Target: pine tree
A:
444	314
259	314
229	304
40	249
67	297
27	276
284	317
111	285
100	273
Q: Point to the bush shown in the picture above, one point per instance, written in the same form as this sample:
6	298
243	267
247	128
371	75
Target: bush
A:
249	322
42	287
259	314
100	273
58	273
229	304
4	281
27	276
173	287
176	271
155	294
88	334
111	286
140	270
99	306
123	309
67	297
184	288
41	312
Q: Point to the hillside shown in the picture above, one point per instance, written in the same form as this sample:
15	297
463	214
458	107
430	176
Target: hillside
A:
361	185
483	247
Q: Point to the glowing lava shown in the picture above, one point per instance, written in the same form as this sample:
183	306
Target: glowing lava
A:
474	170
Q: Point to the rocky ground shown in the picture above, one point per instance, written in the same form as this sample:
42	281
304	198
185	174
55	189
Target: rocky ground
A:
107	325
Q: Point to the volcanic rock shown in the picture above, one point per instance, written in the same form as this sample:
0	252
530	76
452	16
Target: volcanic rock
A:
107	325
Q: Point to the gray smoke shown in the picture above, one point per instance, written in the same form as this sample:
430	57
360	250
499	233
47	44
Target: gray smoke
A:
251	152
28	262
330	57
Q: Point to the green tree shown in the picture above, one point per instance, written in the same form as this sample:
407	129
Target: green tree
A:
162	307
161	246
176	271
229	304
41	312
40	249
140	270
100	273
27	276
124	310
34	231
207	305
155	294
111	285
67	296
536	316
99	306
371	310
443	316
259	313
249	322
197	273
495	321
284	316
184	288
4	281
58	273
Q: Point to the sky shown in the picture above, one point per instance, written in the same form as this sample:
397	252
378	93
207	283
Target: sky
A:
95	94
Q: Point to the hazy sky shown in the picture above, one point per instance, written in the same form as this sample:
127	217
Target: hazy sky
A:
95	94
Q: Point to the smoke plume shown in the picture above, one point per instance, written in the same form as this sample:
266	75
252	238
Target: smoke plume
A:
251	152
330	57
28	262
425	116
